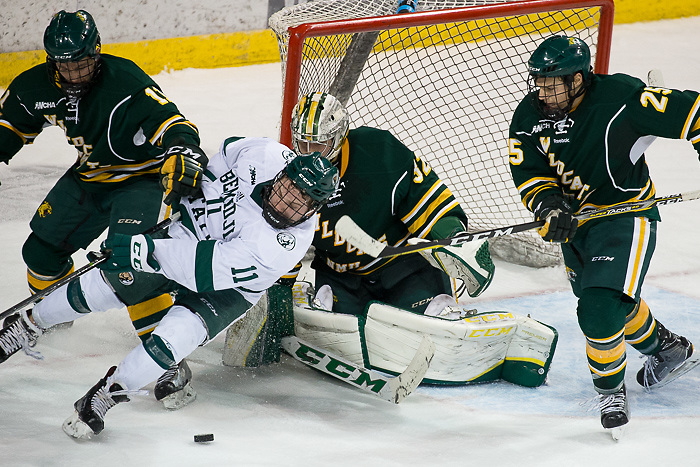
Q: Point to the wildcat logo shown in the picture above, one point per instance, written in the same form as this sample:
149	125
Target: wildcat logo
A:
563	125
287	240
44	105
45	209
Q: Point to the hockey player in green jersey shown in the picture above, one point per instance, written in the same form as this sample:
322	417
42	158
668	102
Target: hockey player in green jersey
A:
123	128
577	142
395	196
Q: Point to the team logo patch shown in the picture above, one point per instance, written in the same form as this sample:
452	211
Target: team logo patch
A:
45	209
287	240
126	278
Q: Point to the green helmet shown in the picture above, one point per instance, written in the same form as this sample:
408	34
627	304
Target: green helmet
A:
72	37
560	56
315	178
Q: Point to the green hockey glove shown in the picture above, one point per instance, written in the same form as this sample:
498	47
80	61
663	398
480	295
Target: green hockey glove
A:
470	262
182	171
560	223
127	252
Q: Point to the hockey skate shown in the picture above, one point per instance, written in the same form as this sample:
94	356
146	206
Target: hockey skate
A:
90	410
19	333
614	412
173	388
674	359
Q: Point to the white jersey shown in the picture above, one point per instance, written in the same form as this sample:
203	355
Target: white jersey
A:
222	240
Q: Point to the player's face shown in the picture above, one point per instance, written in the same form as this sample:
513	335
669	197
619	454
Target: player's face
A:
553	92
289	201
304	148
77	72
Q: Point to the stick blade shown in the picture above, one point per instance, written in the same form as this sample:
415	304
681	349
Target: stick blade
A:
403	385
354	235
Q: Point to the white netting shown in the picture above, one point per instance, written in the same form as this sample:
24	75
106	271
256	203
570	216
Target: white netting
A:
447	90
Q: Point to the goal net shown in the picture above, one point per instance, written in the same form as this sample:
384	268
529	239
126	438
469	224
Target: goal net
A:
445	80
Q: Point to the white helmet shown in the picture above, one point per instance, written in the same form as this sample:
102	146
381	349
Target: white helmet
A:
320	123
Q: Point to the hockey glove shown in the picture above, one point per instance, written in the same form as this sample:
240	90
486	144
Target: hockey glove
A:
129	252
469	262
181	173
560	223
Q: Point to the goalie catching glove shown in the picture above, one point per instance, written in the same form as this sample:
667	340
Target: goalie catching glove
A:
469	262
127	252
182	171
560	223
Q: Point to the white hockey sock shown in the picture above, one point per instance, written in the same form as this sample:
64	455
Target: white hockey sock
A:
137	370
56	308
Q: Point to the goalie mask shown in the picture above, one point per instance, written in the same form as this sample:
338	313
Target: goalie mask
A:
72	45
299	191
553	68
320	123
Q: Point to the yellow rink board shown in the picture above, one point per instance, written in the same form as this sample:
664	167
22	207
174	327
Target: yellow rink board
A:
255	47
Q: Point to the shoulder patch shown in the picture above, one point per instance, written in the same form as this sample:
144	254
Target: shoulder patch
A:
287	240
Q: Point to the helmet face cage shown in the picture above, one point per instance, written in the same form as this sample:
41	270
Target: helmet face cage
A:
320	123
554	96
552	70
299	190
286	205
72	45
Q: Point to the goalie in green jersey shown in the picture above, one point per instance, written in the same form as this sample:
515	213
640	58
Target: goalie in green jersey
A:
132	144
577	142
395	196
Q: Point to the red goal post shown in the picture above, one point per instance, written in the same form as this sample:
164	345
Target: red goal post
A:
445	81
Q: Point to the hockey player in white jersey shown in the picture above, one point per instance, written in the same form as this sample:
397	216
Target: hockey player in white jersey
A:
252	222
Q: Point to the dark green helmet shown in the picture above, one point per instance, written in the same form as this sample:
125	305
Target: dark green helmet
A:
560	56
315	179
71	37
72	42
315	175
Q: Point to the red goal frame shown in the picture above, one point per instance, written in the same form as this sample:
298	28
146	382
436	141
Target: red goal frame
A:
299	33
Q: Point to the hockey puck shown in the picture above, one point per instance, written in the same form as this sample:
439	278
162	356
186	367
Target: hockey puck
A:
204	438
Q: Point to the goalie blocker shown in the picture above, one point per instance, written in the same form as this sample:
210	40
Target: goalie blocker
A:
470	347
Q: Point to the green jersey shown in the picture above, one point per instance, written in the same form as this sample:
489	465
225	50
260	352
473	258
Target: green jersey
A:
596	155
120	128
390	192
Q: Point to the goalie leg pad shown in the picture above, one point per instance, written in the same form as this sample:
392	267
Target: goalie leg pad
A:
530	353
254	339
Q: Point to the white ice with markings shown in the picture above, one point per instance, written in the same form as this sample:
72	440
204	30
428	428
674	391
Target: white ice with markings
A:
288	414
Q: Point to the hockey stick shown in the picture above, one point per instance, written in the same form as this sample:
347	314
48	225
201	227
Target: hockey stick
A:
353	234
391	389
98	259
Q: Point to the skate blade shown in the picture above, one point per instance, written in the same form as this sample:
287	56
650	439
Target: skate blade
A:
685	367
179	399
76	428
618	432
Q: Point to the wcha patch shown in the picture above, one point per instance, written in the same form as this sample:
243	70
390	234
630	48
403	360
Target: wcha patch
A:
287	240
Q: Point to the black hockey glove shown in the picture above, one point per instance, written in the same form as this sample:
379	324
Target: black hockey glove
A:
560	223
181	173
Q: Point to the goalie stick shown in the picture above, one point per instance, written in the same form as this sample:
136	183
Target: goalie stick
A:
98	259
353	234
391	389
